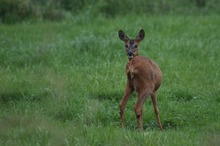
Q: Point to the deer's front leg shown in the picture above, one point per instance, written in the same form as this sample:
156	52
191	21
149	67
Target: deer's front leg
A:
128	91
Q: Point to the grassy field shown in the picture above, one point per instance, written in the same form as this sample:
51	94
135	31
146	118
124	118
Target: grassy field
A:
61	82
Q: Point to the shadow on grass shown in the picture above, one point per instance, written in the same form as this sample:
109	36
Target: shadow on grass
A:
13	96
182	96
6	97
107	96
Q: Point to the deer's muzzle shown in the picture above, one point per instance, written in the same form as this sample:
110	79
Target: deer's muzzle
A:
130	54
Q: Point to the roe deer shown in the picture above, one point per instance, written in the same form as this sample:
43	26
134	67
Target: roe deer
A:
143	76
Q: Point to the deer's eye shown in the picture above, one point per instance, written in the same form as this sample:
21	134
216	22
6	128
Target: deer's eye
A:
135	46
126	46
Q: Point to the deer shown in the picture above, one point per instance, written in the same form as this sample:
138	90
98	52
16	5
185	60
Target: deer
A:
143	76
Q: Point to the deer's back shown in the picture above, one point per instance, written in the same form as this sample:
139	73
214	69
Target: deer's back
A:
143	72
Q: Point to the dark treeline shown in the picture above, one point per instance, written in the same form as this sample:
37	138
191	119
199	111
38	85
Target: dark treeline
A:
12	11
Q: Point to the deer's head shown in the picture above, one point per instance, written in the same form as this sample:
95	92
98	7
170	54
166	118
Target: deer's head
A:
131	45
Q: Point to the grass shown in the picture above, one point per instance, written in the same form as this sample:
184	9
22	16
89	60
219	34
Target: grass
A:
61	83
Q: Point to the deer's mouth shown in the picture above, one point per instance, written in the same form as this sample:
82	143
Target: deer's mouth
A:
130	55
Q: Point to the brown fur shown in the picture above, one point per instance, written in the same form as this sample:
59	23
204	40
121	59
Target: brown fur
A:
143	76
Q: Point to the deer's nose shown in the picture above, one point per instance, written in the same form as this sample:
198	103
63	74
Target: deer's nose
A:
130	53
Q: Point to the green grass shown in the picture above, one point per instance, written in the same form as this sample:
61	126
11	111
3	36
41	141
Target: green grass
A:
61	83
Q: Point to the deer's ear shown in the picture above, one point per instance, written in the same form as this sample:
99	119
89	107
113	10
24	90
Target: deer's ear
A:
122	36
141	35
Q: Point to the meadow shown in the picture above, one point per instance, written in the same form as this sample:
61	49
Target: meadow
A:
61	82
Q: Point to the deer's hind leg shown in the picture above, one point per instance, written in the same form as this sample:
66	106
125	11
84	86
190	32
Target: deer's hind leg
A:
142	96
154	100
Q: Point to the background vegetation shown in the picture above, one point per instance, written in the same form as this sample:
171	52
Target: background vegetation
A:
13	11
61	82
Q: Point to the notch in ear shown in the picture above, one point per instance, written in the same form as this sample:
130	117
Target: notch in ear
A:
141	35
122	36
